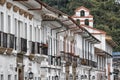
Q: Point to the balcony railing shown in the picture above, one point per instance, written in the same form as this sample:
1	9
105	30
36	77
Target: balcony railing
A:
94	64
37	47
58	61
23	45
5	40
11	40
44	48
87	62
32	47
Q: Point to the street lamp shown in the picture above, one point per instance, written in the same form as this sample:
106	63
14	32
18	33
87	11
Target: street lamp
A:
31	75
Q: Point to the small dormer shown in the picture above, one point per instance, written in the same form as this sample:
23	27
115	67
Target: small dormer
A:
82	16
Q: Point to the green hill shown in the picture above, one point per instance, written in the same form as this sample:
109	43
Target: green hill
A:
106	14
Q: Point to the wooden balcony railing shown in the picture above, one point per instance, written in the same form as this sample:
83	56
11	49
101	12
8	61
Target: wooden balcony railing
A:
38	47
44	48
87	62
11	39
5	40
32	47
23	45
58	61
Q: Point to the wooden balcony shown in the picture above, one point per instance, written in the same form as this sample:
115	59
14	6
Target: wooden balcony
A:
94	64
2	42
44	48
58	61
90	63
68	59
23	45
11	39
32	47
38	47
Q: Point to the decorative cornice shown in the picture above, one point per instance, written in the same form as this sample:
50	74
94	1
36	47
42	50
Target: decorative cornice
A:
30	16
26	14
2	2
15	8
9	5
21	11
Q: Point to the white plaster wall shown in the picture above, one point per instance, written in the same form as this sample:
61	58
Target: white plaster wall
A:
108	48
8	66
11	60
79	44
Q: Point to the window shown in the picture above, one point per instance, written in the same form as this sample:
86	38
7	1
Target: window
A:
9	23
2	78
5	40
82	13
9	77
11	41
87	22
15	38
38	35
15	77
23	44
25	30
58	61
15	26
38	50
35	78
39	78
19	28
52	60
2	21
32	47
78	21
31	32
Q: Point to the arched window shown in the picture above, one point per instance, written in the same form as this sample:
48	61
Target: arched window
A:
87	22
82	13
78	21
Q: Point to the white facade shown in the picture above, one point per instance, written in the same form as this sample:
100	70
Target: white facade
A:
103	50
36	38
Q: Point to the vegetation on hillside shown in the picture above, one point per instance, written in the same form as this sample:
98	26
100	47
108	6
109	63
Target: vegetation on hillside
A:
106	14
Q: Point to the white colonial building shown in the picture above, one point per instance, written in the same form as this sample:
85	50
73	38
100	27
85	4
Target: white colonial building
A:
102	51
38	42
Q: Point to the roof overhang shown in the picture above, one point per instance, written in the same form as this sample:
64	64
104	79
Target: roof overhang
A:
52	14
101	52
110	41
